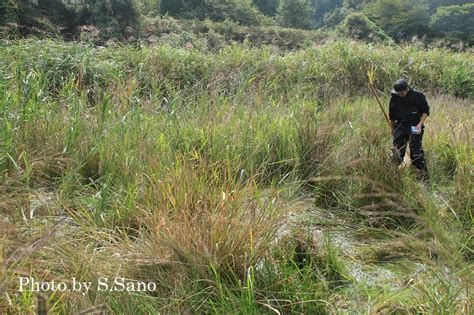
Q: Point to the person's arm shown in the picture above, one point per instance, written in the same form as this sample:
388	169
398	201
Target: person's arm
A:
425	110
422	121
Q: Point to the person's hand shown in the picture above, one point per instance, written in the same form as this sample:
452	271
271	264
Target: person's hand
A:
418	127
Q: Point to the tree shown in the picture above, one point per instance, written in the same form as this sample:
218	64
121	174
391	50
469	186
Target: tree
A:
400	19
18	12
322	7
149	7
295	13
179	7
58	13
114	15
334	18
456	21
39	17
434	4
356	25
242	11
267	7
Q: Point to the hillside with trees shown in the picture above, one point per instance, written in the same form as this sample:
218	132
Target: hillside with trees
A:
440	21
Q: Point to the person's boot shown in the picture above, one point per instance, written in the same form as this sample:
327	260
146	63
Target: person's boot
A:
423	175
395	157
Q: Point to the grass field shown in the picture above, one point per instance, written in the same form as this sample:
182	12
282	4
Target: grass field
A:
244	181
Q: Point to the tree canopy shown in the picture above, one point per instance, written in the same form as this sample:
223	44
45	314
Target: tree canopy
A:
242	11
411	18
455	21
295	13
268	7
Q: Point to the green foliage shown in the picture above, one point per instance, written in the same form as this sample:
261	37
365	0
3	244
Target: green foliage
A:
45	18
177	7
356	25
242	11
113	15
149	7
267	7
400	19
434	4
59	14
101	20
334	12
295	13
8	12
321	7
212	35
53	16
334	18
456	21
458	79
355	4
17	11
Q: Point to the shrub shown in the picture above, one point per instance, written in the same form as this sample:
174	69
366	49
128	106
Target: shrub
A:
295	13
356	25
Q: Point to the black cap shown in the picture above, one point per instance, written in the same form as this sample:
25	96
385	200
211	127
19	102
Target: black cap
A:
400	86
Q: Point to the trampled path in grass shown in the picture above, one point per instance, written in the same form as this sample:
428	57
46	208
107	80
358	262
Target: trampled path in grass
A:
376	255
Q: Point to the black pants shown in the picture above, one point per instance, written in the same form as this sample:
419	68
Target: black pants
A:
401	139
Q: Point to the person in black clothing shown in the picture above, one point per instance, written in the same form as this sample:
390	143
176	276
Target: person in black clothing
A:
408	111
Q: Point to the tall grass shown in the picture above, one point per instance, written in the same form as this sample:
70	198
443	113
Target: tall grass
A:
186	168
332	69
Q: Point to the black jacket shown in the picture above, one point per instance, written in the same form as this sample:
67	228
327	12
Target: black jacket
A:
408	110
